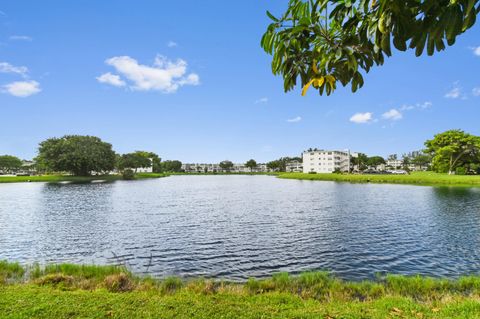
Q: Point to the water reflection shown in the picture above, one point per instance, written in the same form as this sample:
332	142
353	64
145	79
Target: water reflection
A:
237	227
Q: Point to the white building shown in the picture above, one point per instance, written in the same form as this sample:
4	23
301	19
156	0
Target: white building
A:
394	164
322	161
294	167
215	168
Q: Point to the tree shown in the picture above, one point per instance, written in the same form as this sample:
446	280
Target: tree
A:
251	164
452	149
9	163
274	165
280	164
134	161
77	154
392	157
421	160
360	161
375	161
226	165
322	42
153	158
171	166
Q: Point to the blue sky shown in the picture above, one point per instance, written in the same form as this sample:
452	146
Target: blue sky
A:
189	81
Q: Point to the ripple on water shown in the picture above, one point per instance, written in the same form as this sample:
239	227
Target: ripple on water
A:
236	227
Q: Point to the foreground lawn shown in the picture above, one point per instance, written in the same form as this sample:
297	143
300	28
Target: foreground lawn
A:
70	291
75	179
416	178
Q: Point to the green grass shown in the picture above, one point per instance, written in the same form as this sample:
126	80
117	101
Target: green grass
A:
71	291
416	178
75	179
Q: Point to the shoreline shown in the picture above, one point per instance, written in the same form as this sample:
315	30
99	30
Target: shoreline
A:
416	178
88	291
74	179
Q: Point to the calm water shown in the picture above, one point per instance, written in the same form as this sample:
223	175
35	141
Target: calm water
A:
236	227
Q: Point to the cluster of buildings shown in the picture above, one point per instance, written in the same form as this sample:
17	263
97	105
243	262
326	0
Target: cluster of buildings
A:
215	168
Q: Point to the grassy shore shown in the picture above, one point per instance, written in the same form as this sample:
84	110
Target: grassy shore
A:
75	179
70	291
416	178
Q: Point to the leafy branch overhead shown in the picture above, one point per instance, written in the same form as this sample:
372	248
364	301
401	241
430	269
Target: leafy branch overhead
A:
322	42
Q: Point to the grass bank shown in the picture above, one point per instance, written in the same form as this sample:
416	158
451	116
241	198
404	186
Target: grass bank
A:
70	291
416	178
75	179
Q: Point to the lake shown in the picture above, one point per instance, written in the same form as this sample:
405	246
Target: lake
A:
236	227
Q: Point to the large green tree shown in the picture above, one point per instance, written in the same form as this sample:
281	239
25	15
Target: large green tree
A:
452	149
226	165
323	42
138	159
375	161
170	166
251	164
77	154
9	163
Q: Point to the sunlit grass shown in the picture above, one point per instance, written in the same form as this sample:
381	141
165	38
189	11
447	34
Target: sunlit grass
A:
87	291
416	178
74	179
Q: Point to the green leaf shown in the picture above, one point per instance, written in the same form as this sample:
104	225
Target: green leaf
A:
271	16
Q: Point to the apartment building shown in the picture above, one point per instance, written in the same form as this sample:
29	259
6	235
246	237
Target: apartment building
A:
215	168
325	161
294	167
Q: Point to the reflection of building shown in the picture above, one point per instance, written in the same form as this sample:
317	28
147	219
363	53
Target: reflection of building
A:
215	168
294	167
322	161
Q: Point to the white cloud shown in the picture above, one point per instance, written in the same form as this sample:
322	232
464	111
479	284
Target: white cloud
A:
393	115
409	107
294	120
476	51
22	88
454	93
262	100
8	68
112	79
476	91
165	75
21	38
361	118
425	105
172	44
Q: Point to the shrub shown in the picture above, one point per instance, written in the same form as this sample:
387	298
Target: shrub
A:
128	174
171	285
119	283
10	271
460	171
55	280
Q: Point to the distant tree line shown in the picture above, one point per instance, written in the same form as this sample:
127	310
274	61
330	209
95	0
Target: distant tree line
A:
453	152
85	155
